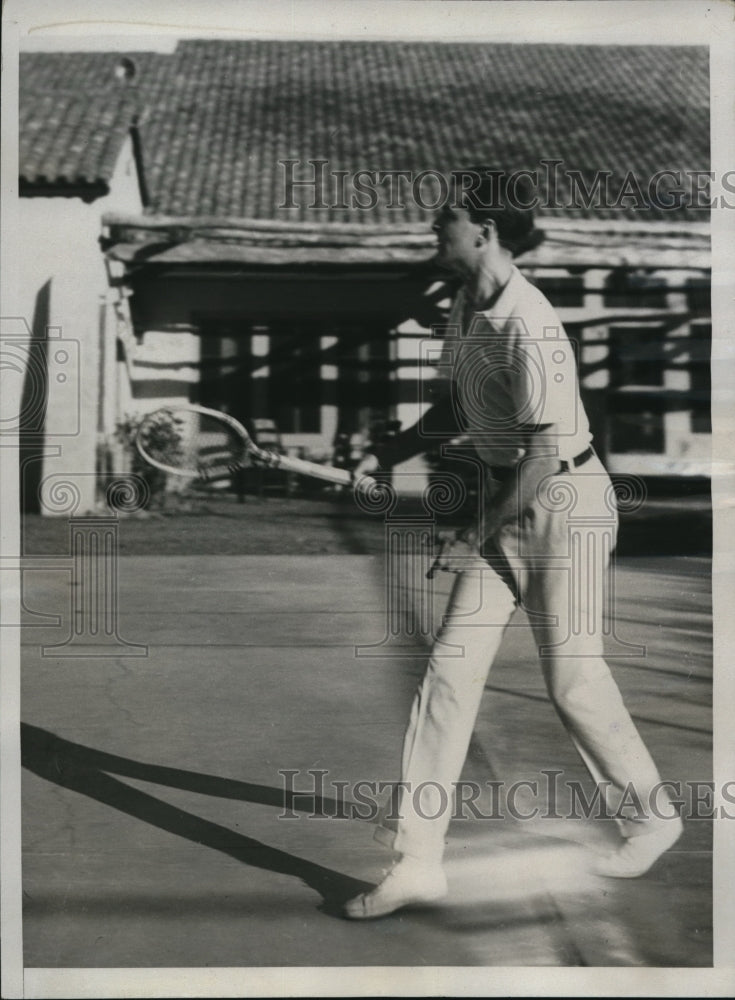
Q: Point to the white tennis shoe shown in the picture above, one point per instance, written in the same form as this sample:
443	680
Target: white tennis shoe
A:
638	854
410	882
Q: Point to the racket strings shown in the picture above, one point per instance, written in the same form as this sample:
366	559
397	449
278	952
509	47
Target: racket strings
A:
191	442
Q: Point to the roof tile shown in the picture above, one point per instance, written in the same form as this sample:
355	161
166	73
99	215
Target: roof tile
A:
216	117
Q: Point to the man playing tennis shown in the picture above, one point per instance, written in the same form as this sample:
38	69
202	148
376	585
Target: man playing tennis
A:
513	382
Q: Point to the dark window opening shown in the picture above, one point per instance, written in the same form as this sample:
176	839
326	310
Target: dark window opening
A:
364	391
562	291
224	361
634	289
698	294
636	426
273	370
294	382
700	379
637	356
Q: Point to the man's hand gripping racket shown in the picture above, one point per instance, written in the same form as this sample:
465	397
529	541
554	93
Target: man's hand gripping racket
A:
204	444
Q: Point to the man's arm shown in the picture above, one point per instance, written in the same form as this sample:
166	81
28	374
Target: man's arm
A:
439	423
518	491
460	552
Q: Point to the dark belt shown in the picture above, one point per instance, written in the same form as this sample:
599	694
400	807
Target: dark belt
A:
580	459
503	472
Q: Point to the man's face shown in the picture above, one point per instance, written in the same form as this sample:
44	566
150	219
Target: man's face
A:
457	237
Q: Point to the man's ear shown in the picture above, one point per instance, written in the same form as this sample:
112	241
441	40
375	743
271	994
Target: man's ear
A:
487	229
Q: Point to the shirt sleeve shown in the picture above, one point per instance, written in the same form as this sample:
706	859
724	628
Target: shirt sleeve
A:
545	382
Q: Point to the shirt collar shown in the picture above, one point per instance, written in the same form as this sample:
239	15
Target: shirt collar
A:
504	306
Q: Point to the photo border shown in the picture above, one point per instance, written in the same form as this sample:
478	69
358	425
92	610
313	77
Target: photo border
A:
693	21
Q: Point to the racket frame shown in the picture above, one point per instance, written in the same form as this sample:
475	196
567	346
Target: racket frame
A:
200	473
269	458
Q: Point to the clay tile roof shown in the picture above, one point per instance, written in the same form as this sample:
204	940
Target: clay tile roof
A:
218	116
75	113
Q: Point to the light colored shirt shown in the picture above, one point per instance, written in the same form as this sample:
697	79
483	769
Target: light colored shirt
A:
513	370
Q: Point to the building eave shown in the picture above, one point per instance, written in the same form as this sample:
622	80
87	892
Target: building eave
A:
277	244
86	191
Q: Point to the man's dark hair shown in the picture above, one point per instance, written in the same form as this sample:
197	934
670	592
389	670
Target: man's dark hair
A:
505	199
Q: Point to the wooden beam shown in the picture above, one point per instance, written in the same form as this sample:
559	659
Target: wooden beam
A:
278	244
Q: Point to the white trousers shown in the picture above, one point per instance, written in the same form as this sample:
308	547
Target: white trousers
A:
555	561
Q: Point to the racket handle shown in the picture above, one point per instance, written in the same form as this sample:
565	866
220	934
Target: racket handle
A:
329	473
299	465
365	483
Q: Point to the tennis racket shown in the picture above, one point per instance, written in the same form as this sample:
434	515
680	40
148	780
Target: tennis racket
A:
196	442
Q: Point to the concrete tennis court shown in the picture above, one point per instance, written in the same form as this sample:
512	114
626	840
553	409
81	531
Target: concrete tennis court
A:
153	819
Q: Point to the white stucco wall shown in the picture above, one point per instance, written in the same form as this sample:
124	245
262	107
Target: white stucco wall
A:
58	243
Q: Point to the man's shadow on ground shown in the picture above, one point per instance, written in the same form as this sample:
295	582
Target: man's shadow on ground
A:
84	770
